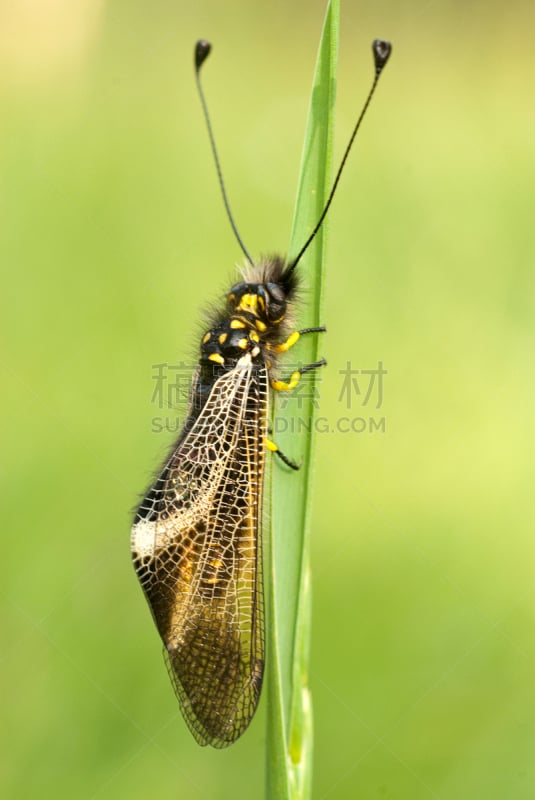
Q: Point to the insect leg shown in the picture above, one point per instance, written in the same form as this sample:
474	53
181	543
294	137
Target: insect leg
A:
287	386
274	448
295	377
294	337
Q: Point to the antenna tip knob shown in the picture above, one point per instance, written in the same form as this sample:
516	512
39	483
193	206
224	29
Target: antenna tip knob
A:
202	51
381	53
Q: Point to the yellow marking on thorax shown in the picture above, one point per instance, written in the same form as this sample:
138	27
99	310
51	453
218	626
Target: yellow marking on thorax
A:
217	358
248	302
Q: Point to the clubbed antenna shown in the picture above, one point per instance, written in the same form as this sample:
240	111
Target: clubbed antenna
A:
202	51
381	52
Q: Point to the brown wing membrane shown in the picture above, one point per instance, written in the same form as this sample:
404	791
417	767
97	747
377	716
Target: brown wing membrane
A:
197	553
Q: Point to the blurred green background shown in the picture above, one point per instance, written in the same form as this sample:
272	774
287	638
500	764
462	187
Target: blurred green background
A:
113	237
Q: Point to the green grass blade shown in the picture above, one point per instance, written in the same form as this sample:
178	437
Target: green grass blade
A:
289	752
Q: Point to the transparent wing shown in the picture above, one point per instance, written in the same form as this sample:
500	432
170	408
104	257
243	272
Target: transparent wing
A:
196	546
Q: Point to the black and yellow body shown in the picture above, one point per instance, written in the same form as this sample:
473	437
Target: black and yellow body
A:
197	535
257	320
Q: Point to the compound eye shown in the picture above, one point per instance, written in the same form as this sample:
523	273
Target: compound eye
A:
276	293
276	301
